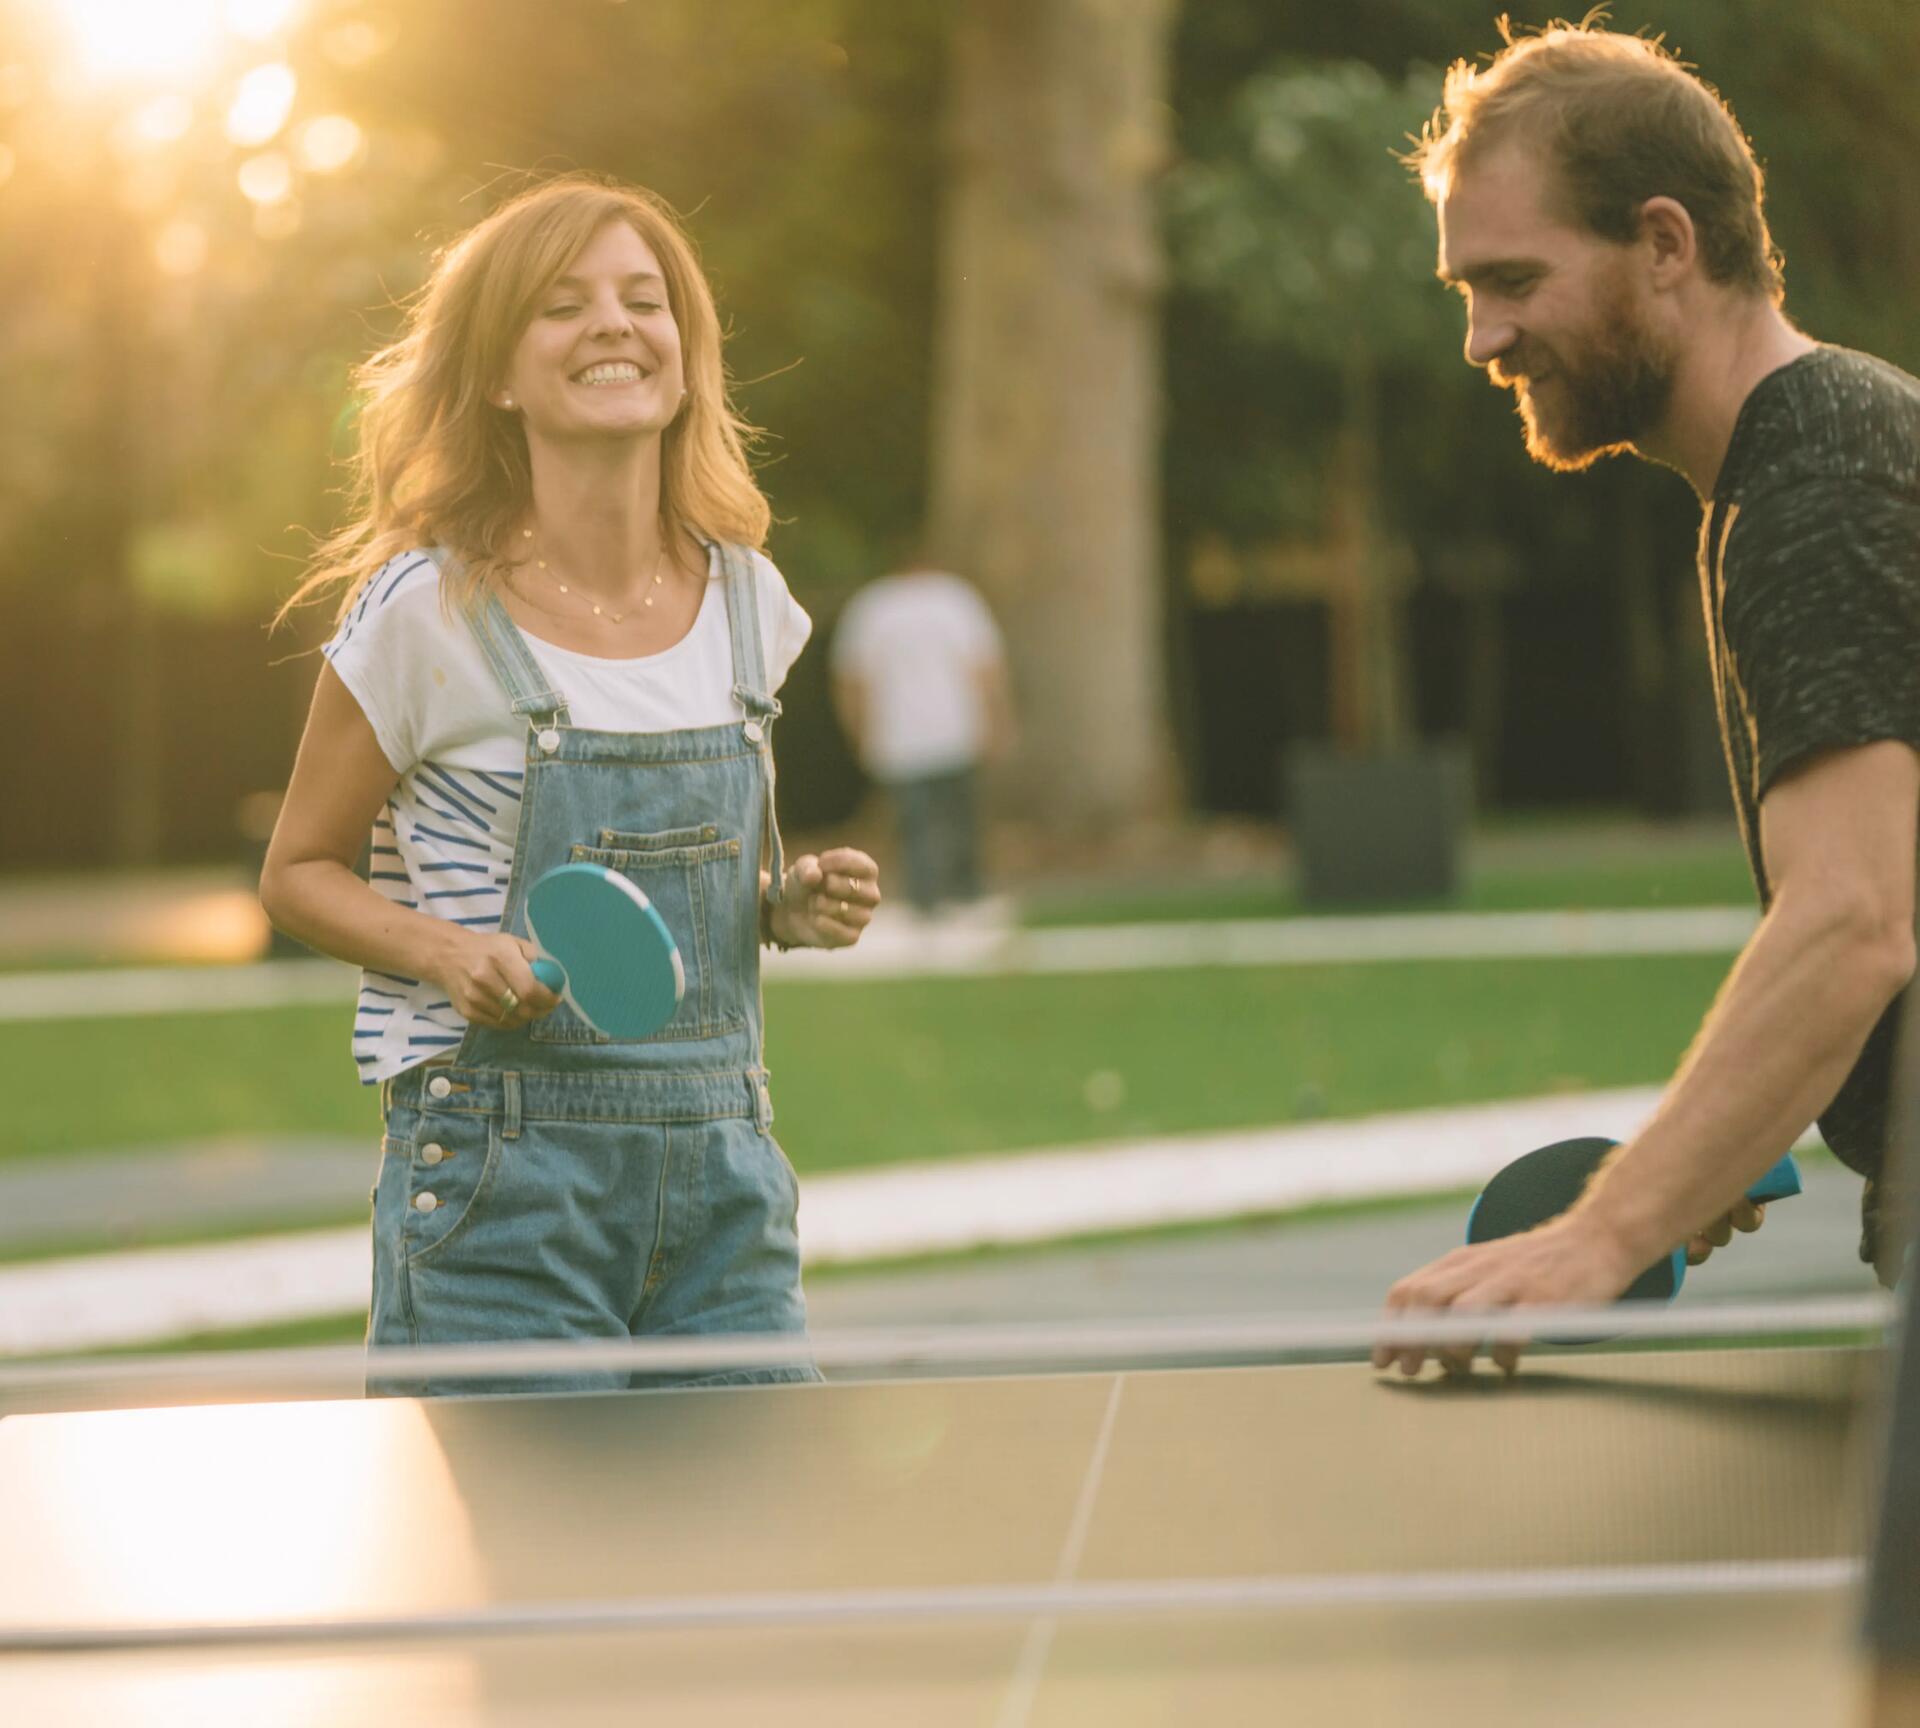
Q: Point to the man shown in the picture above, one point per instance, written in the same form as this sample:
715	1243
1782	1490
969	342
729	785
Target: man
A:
920	685
1601	213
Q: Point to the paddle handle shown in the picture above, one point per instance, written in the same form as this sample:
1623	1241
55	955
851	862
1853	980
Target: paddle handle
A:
1782	1182
550	973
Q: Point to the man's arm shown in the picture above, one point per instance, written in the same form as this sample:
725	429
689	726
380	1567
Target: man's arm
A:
1836	946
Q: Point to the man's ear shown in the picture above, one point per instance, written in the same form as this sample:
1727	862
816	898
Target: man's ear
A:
1667	232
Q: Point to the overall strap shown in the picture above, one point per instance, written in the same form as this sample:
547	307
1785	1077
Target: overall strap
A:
506	652
750	688
743	621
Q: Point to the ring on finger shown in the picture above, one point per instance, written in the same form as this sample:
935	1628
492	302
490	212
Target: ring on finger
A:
509	1000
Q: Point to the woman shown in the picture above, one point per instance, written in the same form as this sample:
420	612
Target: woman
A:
558	640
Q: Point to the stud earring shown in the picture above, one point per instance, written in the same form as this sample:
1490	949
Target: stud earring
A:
506	402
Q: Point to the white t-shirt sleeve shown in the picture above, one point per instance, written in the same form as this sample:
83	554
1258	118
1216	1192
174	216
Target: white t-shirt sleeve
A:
784	624
378	651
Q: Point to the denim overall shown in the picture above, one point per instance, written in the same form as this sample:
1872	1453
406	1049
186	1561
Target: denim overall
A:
550	1183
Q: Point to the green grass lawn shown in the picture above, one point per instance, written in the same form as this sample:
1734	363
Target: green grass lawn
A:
873	1072
1709	875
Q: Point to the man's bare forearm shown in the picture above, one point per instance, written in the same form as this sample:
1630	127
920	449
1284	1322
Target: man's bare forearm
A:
324	904
1788	1025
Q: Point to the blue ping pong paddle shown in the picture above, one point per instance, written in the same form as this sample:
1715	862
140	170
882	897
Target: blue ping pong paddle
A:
1542	1184
605	950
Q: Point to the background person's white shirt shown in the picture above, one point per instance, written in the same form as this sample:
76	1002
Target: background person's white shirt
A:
444	844
916	645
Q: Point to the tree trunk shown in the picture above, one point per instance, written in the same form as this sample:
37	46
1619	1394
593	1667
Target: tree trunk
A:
1047	403
1369	673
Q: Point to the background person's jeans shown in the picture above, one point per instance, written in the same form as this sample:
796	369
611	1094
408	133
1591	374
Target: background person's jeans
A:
939	842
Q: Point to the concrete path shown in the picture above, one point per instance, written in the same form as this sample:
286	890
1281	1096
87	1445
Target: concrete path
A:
854	1217
212	1186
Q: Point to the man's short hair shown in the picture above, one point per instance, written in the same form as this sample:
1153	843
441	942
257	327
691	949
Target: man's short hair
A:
1623	121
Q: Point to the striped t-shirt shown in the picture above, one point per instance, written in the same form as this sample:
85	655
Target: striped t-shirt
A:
444	844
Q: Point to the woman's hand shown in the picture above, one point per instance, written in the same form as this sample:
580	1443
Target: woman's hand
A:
489	980
828	900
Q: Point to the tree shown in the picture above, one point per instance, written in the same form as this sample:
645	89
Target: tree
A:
1047	382
1306	234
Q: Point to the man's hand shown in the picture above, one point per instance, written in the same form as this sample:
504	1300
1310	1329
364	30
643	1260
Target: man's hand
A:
1746	1217
1569	1261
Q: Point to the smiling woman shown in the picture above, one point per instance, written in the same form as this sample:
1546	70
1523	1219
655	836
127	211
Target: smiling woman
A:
559	643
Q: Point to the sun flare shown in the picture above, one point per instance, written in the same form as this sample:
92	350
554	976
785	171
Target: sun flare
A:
149	43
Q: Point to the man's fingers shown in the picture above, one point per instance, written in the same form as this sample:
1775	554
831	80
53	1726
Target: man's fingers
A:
1419	1291
1748	1216
1699	1250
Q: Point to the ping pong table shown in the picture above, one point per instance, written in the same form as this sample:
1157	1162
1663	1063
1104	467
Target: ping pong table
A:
1610	1534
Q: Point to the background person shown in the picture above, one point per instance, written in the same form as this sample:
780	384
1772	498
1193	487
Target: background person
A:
1601	212
920	685
559	641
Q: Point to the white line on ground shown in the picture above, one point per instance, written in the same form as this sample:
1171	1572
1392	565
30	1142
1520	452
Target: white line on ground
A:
91	1301
898	951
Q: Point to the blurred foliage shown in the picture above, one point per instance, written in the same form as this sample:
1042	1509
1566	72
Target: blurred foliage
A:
177	356
201	408
1305	219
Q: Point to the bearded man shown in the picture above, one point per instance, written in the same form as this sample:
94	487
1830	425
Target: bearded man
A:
1601	213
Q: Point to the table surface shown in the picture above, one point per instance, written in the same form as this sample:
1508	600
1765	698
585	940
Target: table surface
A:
444	1531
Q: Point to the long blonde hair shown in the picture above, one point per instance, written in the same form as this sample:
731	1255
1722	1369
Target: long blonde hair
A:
438	465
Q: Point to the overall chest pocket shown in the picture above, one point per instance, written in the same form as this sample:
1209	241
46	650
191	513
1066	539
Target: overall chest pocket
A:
692	876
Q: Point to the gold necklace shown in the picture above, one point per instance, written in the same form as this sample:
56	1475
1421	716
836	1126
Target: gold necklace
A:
659	558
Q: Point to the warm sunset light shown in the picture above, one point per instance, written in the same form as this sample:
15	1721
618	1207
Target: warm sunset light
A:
261	104
180	249
121	41
206	1528
162	121
330	143
171	43
256	20
266	179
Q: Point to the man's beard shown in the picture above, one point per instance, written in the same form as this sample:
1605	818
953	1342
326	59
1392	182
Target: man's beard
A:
1601	392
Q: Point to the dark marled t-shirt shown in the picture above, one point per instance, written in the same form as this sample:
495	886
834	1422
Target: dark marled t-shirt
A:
1810	574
